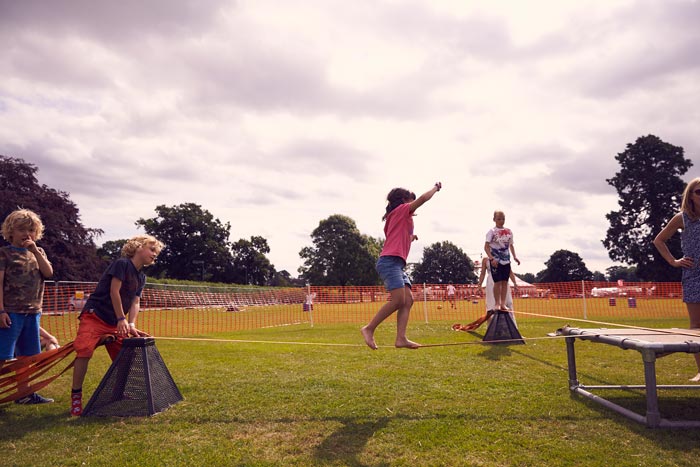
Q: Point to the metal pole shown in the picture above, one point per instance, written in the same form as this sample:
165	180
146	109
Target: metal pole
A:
571	361
425	303
311	305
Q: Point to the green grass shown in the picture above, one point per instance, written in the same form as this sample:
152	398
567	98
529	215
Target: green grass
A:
284	404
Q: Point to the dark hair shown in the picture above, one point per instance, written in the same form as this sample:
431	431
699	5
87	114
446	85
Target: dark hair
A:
397	197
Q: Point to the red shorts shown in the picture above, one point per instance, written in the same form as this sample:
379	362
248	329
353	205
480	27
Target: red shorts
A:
91	331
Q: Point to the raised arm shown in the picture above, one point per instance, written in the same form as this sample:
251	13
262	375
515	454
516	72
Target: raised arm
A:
415	204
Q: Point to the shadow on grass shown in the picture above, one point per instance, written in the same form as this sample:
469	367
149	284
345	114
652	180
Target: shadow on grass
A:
17	424
346	443
674	409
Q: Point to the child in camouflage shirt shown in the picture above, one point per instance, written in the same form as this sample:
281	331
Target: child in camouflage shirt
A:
23	269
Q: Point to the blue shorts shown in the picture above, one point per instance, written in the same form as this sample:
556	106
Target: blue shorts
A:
22	337
390	269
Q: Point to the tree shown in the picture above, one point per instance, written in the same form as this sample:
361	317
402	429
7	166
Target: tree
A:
615	273
249	262
443	263
598	276
111	250
340	254
650	190
564	266
69	245
196	244
284	279
527	277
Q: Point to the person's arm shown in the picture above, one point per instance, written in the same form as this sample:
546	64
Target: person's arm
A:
114	287
5	320
482	273
491	259
415	204
133	314
664	236
46	335
44	266
512	252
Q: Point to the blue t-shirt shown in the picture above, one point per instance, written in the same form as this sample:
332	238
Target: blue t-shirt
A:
133	282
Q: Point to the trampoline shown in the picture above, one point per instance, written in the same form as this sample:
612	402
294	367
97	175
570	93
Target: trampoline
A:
651	344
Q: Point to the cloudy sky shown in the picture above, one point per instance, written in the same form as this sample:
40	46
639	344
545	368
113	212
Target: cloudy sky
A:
274	115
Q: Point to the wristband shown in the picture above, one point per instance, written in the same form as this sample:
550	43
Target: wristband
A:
132	325
2	311
121	319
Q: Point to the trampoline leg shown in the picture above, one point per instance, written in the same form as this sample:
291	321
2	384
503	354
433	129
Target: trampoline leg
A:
571	359
653	415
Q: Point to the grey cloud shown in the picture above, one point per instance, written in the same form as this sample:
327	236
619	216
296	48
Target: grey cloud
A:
40	59
112	22
320	158
98	177
668	41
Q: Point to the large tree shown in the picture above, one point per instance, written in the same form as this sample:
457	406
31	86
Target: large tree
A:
564	266
69	245
650	187
196	244
250	264
111	250
615	273
443	263
340	254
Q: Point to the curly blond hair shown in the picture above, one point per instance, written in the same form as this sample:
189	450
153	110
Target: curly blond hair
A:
22	218
134	243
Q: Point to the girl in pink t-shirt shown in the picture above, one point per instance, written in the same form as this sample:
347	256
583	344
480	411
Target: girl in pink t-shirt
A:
390	266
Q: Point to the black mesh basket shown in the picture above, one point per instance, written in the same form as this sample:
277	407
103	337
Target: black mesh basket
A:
137	384
503	328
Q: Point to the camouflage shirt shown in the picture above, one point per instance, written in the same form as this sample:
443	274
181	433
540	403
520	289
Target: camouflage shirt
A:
23	286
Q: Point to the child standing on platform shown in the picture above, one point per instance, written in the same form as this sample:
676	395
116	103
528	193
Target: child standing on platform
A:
111	310
498	248
23	269
485	273
398	229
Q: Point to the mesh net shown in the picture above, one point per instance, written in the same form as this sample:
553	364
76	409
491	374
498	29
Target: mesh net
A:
181	311
137	384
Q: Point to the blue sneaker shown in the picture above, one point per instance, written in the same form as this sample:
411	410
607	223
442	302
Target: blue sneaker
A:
32	399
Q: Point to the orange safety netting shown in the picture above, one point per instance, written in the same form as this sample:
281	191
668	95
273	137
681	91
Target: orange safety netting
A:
177	310
23	376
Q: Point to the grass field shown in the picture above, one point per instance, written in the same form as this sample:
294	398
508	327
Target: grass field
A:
284	404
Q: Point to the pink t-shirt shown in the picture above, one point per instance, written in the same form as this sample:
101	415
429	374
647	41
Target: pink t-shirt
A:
399	231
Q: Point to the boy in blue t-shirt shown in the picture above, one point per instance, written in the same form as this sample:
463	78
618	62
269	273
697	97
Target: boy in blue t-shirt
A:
112	309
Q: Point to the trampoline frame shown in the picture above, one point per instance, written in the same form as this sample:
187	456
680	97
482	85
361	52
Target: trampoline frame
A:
668	341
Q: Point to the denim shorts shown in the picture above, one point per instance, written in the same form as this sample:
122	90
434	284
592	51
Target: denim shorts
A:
22	337
390	269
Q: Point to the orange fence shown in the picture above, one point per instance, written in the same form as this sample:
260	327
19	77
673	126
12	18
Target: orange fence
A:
176	310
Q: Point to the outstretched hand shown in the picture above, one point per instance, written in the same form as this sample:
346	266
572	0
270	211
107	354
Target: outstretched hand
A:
438	185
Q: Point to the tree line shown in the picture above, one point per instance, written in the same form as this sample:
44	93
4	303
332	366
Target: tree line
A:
198	245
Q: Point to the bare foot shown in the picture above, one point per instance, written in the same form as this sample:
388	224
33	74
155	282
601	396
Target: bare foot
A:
369	337
696	378
406	344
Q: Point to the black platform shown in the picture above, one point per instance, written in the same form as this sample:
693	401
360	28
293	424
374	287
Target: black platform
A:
137	384
502	329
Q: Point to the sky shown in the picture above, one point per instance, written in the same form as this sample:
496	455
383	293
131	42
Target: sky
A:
274	115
